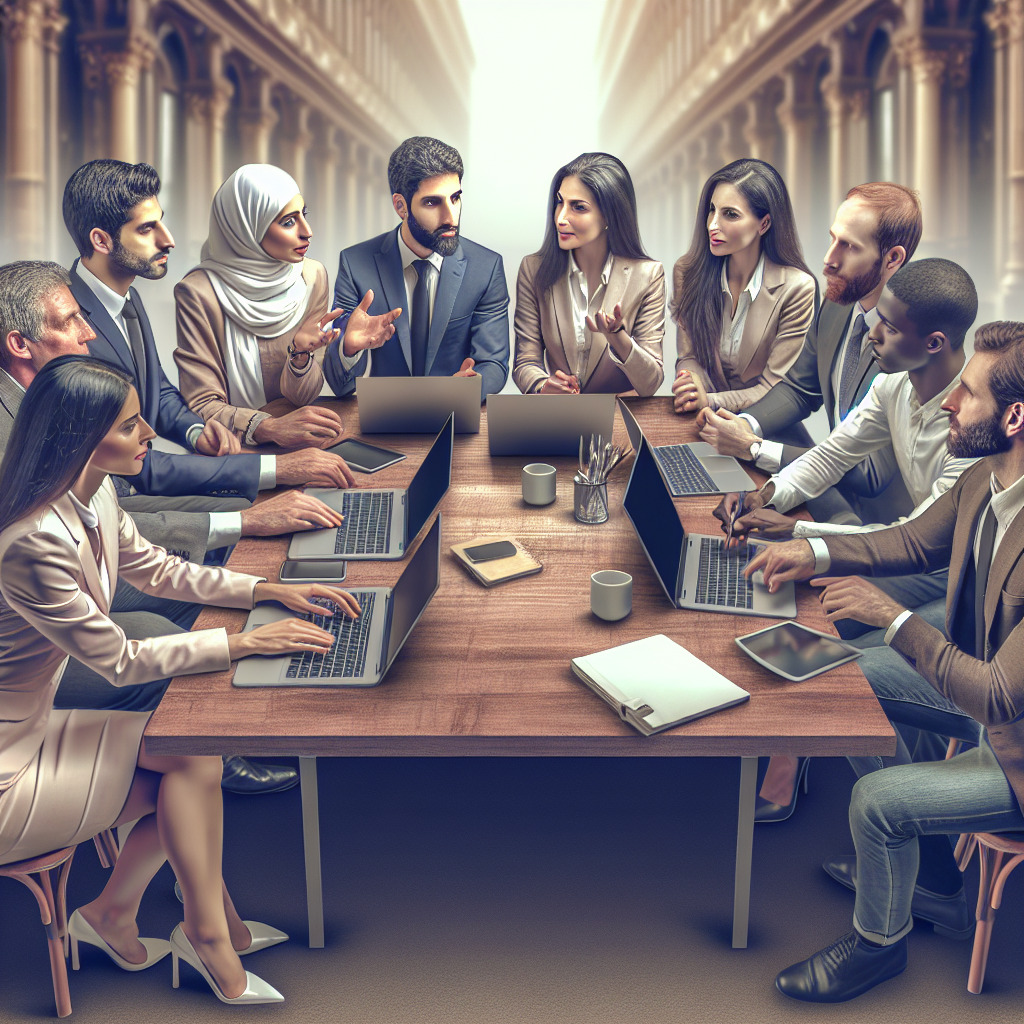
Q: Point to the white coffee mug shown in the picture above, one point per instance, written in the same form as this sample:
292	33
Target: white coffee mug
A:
611	594
538	483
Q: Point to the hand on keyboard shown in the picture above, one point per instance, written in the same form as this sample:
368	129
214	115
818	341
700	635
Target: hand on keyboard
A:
302	599
284	637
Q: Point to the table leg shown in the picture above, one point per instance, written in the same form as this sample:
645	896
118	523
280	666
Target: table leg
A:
311	847
744	852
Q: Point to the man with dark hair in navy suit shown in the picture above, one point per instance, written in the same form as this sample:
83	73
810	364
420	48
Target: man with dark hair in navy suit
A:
441	306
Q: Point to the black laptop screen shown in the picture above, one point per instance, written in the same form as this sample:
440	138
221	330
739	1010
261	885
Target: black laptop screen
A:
431	481
653	515
413	590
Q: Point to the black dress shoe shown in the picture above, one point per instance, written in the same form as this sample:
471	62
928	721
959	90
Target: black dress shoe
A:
766	811
242	776
844	970
948	915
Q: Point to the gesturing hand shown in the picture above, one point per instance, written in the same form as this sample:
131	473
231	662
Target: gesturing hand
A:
851	597
466	369
602	323
216	440
312	335
560	384
364	331
290	512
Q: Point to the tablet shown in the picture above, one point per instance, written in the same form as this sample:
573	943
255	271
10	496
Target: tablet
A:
366	458
795	652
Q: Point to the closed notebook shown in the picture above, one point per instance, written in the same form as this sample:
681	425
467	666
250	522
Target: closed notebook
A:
498	570
654	684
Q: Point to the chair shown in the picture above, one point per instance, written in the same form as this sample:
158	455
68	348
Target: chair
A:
52	911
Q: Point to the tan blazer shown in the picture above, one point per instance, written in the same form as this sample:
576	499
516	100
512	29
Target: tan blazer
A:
53	606
545	333
200	352
991	692
773	335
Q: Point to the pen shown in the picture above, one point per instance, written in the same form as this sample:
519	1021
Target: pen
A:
732	519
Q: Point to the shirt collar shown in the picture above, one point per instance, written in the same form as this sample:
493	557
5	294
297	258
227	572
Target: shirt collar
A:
111	301
409	257
753	285
17	384
1006	503
935	402
85	512
606	270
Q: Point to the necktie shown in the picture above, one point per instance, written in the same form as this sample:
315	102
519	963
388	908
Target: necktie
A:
848	379
136	344
421	316
988	537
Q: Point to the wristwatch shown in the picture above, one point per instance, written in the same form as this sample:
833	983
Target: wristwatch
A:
755	450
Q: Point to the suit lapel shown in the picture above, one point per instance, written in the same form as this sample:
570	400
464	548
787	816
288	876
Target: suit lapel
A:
100	321
1010	548
829	342
759	314
961	555
90	570
452	270
389	270
561	311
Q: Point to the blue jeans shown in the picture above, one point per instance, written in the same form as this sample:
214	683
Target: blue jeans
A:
890	809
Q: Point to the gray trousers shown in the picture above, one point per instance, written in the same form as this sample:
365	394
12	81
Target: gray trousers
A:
181	503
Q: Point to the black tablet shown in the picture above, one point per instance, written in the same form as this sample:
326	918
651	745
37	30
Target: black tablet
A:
366	458
795	652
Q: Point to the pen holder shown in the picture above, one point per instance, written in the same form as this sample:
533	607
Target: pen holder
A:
590	501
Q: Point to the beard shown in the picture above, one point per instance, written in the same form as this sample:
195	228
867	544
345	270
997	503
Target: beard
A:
433	240
138	265
848	291
977	440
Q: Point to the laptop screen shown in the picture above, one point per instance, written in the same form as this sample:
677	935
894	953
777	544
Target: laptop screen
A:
653	515
413	591
428	486
632	427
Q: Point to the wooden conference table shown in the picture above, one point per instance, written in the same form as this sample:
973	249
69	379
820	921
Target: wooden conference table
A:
486	672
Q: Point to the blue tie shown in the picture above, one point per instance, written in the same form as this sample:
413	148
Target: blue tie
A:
421	316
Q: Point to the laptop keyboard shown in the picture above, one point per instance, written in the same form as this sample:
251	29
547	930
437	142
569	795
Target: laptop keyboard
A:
367	524
347	656
720	579
683	471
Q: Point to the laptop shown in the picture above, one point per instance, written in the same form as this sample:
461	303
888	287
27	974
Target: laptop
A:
364	648
693	468
695	570
546	424
418	405
381	522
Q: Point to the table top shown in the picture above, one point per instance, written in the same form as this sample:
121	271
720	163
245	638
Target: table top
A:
486	671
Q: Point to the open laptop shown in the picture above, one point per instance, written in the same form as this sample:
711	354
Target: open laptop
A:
381	522
418	405
695	570
364	648
692	468
546	424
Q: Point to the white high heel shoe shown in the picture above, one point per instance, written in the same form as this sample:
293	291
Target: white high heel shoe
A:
256	989
263	936
79	930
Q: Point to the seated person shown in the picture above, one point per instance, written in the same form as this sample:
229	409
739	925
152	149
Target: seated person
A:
743	295
590	304
450	303
250	315
901	814
67	775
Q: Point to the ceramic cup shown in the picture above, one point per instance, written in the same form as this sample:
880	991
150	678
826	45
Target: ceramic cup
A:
538	483
611	594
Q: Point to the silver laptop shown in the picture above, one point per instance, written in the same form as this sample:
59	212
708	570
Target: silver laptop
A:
692	468
418	405
695	570
381	522
546	424
364	648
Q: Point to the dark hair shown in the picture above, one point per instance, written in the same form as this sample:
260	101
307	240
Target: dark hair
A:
68	409
102	194
606	176
939	296
698	306
23	286
1006	381
899	214
417	159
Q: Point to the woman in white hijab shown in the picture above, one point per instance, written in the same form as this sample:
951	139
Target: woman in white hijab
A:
250	316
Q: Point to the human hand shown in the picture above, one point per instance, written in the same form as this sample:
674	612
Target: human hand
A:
466	369
727	433
780	563
688	393
311	425
289	636
364	331
290	512
851	597
216	440
560	384
765	522
602	323
752	500
300	598
315	467
312	334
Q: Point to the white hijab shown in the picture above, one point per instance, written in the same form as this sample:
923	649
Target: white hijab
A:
261	297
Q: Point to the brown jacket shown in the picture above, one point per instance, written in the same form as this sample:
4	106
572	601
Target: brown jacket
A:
992	692
544	330
773	335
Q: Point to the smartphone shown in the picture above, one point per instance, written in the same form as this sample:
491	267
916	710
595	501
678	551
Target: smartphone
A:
365	458
307	571
488	552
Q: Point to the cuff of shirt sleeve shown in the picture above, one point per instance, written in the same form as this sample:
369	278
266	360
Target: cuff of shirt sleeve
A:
225	527
268	472
300	371
752	423
769	458
805	530
894	626
615	359
250	430
822	559
192	434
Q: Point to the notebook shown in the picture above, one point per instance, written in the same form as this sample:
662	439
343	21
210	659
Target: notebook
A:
654	684
498	570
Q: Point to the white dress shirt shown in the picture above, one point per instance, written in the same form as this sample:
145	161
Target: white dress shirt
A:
91	521
732	326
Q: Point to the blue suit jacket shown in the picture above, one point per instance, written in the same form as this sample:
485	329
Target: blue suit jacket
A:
165	411
470	313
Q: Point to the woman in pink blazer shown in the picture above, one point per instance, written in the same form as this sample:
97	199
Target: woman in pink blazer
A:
67	775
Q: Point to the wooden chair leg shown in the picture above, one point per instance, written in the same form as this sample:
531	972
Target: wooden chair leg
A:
990	864
58	965
62	903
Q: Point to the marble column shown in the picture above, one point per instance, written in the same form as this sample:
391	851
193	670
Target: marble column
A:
759	129
731	144
295	138
325	155
257	118
798	114
124	69
205	106
1011	292
846	100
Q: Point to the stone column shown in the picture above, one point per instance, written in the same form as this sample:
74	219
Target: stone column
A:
326	154
1011	292
759	130
123	73
846	100
731	144
295	138
348	170
205	107
53	29
257	118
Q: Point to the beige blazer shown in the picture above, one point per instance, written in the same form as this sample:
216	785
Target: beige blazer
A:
773	335
546	338
52	605
200	352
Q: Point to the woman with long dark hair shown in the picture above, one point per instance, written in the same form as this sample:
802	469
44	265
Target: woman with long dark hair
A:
590	304
743	297
67	775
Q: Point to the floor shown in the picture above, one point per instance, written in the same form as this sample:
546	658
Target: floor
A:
535	891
